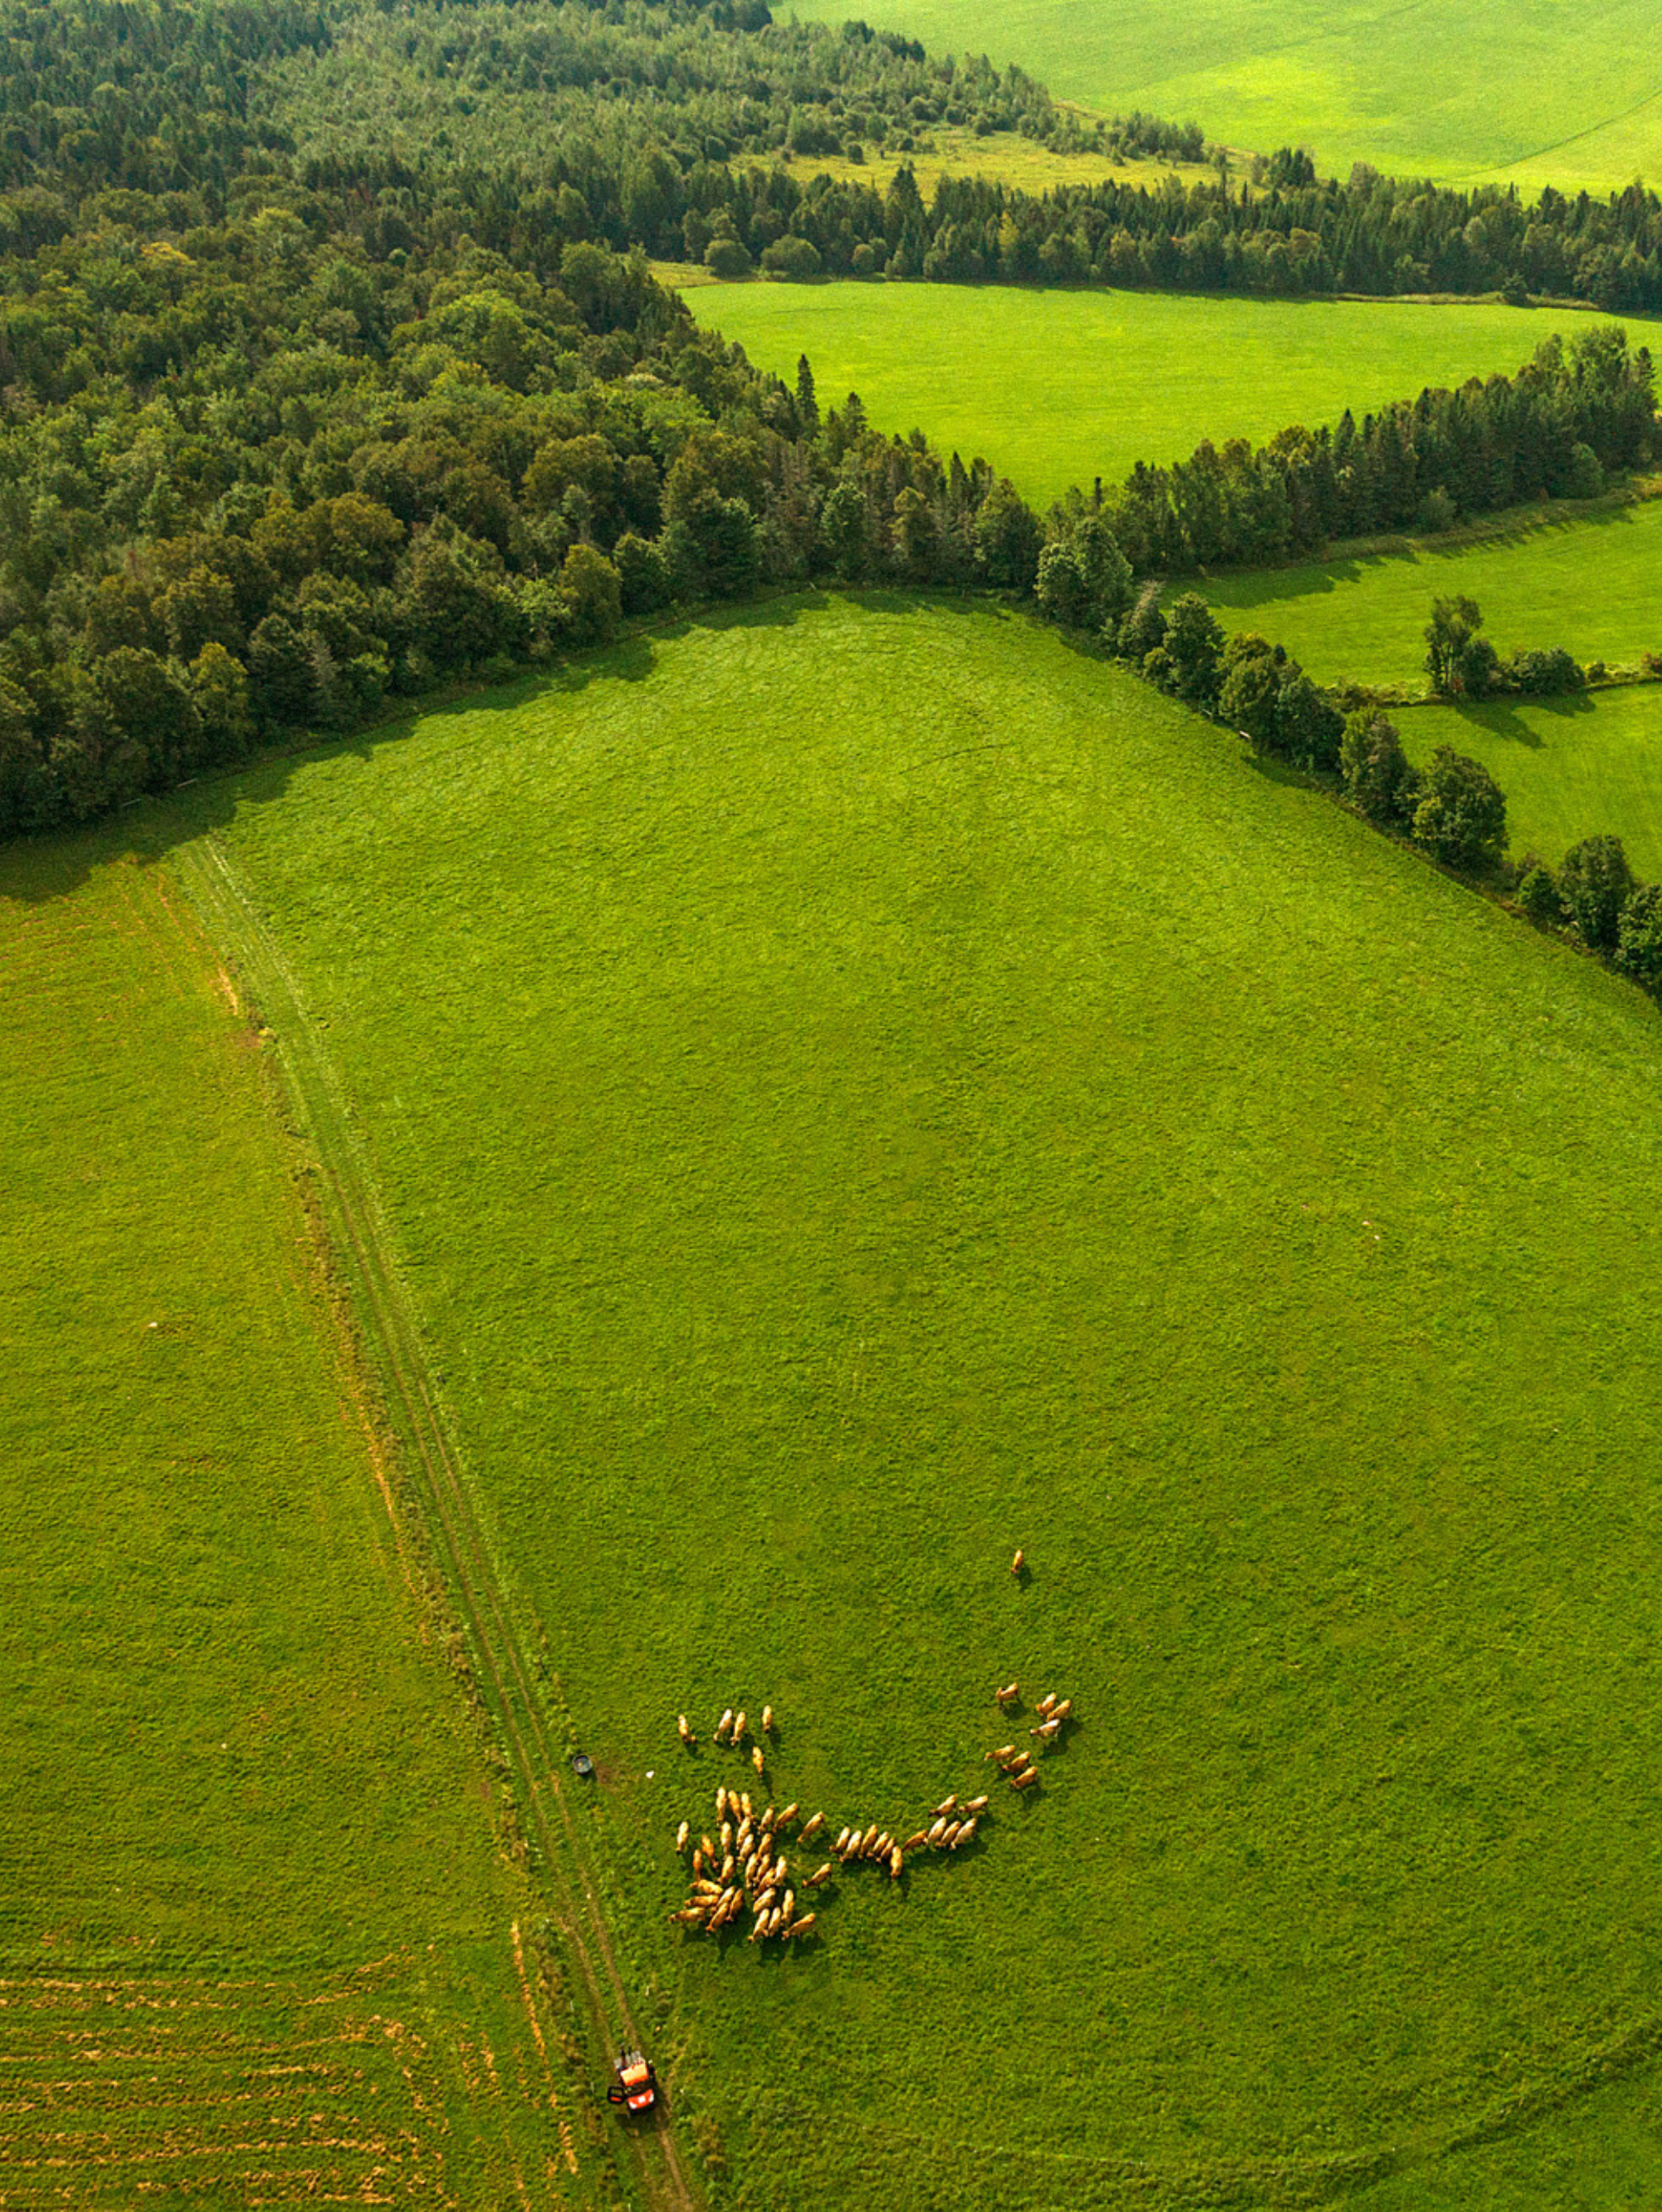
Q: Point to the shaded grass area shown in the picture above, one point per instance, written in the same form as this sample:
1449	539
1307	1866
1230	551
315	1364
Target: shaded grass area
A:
1570	768
856	1088
1591	584
1473	88
254	1934
1059	387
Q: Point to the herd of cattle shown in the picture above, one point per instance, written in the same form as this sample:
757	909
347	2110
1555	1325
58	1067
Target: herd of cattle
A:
742	1867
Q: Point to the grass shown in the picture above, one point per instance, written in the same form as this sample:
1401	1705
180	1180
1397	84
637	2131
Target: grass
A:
254	1930
858	1087
1059	387
1569	767
1001	157
1514	89
1588	583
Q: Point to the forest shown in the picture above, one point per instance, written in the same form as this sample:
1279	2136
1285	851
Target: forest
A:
280	437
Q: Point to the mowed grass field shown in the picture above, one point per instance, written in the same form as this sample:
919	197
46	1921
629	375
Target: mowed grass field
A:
255	1931
1514	89
1570	768
1060	387
1593	584
858	1087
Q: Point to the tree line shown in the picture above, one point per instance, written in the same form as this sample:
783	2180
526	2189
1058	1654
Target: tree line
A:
275	447
1451	809
690	96
255	481
642	122
1572	417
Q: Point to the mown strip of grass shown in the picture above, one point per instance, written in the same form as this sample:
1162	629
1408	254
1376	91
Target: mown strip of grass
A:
247	1824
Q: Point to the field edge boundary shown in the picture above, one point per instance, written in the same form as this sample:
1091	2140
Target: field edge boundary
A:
359	1246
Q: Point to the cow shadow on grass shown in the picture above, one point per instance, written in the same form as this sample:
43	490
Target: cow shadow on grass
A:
34	870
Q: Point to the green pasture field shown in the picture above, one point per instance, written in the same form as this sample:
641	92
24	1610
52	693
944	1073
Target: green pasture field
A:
1059	387
1512	89
858	1087
1570	768
1001	157
1592	583
255	1935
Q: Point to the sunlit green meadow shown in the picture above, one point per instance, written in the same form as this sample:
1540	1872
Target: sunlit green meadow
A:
856	1088
1060	387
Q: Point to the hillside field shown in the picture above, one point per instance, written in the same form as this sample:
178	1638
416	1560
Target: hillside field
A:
1570	768
1524	89
1059	387
855	1087
1593	584
255	1934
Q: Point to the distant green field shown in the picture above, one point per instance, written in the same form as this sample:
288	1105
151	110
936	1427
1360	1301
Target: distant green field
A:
1523	88
1593	585
255	1936
1569	767
1058	387
859	1087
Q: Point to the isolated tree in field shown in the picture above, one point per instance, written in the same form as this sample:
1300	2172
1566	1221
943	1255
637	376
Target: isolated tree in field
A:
1379	779
1639	936
1195	642
1454	622
1461	818
1594	881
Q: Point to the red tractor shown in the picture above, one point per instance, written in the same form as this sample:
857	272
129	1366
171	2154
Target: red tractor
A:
635	2086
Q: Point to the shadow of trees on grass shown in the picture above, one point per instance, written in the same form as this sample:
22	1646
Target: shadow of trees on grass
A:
36	869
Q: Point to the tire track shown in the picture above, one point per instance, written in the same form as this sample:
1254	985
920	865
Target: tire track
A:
363	1247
